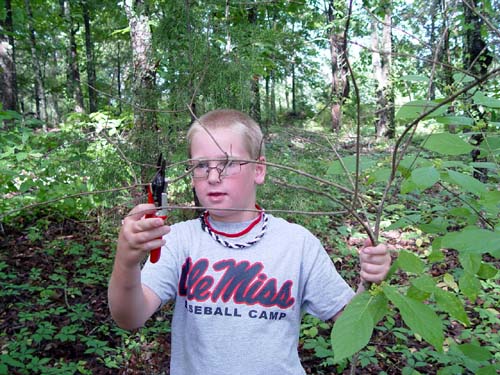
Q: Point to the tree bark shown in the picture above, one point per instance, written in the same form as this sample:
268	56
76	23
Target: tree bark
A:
255	102
8	78
384	119
340	70
144	78
145	100
74	86
477	59
89	49
39	92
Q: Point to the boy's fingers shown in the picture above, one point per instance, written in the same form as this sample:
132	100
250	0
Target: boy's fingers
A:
140	210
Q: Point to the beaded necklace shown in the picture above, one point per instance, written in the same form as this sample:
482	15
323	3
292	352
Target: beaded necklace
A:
207	227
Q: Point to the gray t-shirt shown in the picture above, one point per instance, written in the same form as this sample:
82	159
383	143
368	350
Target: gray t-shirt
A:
238	311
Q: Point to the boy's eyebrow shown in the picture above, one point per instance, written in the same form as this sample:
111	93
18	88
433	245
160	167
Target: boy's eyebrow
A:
222	158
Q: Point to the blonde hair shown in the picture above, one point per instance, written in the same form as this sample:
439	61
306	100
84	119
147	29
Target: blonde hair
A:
230	119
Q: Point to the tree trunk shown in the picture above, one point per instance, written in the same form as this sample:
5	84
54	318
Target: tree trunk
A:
294	88
39	89
53	96
340	71
477	59
89	49
255	102
144	78
8	78
384	119
73	82
145	100
191	89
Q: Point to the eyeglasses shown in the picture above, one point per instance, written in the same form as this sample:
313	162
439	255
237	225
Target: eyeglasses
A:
202	168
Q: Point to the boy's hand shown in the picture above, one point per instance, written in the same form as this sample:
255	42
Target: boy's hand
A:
138	235
375	262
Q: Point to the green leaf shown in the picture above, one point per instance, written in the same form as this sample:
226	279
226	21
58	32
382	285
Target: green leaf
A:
475	352
471	262
437	225
447	144
474	240
451	304
359	316
409	262
491	201
481	99
462	77
468	183
425	177
469	285
455	120
349	163
380	175
414	109
487	271
425	283
420	318
408	186
487	370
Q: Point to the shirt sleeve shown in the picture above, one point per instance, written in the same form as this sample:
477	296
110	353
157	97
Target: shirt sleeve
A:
162	277
325	292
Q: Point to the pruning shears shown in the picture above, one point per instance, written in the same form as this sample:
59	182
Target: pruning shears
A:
157	194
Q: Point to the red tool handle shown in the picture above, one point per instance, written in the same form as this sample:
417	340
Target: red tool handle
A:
154	255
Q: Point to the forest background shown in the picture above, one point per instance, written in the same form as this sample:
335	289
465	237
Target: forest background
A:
381	119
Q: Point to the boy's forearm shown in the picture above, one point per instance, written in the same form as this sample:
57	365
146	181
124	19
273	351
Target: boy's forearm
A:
127	302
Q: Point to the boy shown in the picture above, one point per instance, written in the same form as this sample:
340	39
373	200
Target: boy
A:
241	278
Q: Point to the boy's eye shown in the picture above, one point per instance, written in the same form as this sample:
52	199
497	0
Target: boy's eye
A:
201	165
226	165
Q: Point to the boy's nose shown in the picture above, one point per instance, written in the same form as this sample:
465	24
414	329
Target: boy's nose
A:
213	176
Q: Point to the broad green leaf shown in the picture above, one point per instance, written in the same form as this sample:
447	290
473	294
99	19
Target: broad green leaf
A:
447	144
409	262
417	294
469	285
380	175
475	352
424	283
490	201
349	163
455	120
468	183
473	240
437	225
462	77
420	318
414	109
485	165
408	186
487	370
425	177
451	304
481	99
471	262
487	271
359	317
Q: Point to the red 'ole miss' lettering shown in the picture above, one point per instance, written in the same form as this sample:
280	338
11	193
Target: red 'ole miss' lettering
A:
242	282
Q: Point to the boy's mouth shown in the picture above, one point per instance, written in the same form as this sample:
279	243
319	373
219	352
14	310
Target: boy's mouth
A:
216	194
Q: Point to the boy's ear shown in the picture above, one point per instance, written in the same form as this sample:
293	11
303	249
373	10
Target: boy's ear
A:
260	170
